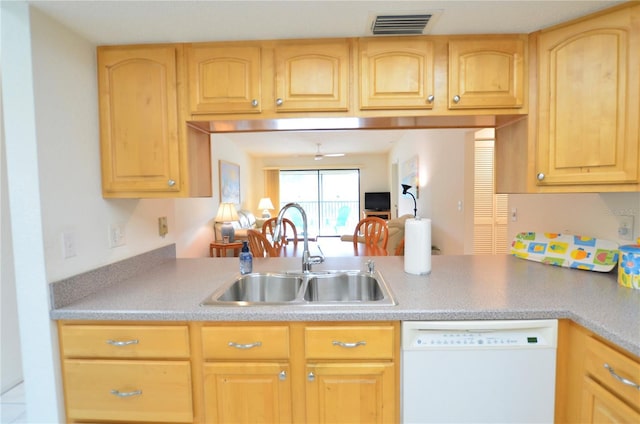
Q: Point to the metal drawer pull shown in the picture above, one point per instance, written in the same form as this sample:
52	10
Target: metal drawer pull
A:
348	345
311	376
126	394
619	378
245	346
283	375
122	343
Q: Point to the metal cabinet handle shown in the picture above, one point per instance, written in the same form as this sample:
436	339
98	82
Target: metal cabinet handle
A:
245	346
282	376
125	394
254	103
311	376
621	379
171	183
122	343
348	345
431	98
540	176
279	101
456	98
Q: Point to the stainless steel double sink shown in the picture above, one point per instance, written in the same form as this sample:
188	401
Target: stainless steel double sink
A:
321	288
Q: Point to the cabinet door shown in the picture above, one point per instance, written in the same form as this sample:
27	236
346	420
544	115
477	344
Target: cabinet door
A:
396	73
589	88
351	393
312	76
487	73
224	79
139	119
244	392
600	406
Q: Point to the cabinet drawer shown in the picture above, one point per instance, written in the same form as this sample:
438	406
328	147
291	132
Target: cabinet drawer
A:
349	342
152	391
254	342
600	356
120	341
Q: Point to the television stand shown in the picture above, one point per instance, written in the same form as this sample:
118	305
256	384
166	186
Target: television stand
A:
379	214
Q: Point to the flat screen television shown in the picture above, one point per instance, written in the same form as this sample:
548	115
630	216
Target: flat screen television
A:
377	201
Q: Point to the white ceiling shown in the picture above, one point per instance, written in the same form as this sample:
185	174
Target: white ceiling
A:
157	21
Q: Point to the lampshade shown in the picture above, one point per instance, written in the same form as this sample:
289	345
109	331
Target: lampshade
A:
226	213
265	204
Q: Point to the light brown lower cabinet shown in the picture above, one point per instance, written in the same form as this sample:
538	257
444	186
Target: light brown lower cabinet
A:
133	372
251	392
597	382
300	372
253	372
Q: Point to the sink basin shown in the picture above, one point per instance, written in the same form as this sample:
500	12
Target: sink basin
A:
263	288
345	287
322	288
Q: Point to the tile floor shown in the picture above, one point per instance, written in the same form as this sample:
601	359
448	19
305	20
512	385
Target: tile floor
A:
12	406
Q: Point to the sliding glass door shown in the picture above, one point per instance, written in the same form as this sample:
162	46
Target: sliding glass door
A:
329	197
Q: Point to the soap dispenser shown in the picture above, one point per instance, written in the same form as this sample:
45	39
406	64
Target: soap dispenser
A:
246	259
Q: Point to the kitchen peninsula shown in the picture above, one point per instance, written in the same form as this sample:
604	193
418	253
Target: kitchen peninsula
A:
163	295
459	288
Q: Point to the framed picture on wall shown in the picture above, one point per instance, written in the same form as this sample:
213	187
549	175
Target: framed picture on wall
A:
229	182
409	173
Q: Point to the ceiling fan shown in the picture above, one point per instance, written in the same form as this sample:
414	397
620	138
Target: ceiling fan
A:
320	156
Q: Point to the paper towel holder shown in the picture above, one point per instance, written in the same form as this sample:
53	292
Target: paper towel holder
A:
405	188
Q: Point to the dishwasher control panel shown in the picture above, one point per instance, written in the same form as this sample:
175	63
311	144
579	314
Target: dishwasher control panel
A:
461	339
529	334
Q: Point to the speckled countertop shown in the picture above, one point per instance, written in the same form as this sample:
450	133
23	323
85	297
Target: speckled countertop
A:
465	287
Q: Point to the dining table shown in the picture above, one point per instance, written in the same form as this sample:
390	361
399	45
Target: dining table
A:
330	248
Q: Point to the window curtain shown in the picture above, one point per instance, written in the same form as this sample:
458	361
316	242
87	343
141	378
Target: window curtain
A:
272	188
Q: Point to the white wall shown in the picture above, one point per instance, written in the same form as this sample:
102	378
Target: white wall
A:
441	162
594	215
69	160
10	360
37	331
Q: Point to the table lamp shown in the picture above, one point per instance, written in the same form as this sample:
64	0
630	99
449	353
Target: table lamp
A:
405	188
226	214
266	205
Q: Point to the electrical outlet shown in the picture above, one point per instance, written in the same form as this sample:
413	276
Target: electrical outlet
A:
163	227
117	236
625	227
68	244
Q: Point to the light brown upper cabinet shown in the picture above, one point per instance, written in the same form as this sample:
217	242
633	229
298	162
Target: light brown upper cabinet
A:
146	149
312	76
487	72
588	101
396	73
224	78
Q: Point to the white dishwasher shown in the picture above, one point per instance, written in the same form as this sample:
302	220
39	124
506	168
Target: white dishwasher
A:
478	371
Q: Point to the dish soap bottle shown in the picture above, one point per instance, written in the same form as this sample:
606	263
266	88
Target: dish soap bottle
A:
246	259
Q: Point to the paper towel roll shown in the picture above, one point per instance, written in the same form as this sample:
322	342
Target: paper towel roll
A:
417	246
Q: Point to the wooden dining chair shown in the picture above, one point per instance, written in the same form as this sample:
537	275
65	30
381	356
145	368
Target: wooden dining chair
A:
260	245
374	230
288	232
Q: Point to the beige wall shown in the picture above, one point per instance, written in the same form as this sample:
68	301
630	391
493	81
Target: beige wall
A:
594	214
374	170
442	160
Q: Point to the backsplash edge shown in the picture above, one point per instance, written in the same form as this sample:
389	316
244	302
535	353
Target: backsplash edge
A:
72	289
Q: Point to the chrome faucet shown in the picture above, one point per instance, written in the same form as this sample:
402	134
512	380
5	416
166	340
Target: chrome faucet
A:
307	258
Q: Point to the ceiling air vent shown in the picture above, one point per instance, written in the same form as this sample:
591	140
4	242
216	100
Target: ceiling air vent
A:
400	24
